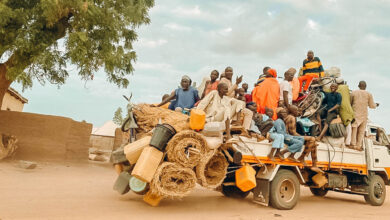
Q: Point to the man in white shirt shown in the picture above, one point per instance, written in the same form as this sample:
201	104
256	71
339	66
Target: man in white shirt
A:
286	94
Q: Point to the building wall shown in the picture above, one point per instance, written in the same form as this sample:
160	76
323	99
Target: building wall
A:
102	142
11	103
46	137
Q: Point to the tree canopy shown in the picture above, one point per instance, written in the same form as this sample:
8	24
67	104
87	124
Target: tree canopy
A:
39	38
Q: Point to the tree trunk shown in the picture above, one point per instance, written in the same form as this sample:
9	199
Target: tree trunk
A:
4	82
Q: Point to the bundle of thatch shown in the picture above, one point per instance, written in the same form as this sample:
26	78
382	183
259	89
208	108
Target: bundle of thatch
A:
212	170
148	117
172	180
187	148
7	145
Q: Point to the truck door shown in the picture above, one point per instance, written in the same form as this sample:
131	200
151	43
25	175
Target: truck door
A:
380	148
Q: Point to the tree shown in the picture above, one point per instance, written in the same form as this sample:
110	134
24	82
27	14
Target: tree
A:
38	38
118	119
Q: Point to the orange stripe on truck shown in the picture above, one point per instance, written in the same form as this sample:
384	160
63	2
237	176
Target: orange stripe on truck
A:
360	168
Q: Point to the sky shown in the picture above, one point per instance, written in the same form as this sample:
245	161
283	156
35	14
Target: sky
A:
195	37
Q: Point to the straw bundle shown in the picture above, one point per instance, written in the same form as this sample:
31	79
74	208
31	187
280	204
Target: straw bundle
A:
212	170
7	145
187	148
148	117
173	180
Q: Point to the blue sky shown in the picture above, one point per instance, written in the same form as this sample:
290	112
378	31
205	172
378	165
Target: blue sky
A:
194	37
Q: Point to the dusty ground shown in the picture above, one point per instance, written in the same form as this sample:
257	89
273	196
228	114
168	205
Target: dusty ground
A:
84	191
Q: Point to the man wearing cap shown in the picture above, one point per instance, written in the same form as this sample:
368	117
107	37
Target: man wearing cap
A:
186	96
267	93
312	68
286	95
360	100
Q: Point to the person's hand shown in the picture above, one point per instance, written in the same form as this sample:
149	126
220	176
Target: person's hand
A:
329	111
238	80
153	105
377	104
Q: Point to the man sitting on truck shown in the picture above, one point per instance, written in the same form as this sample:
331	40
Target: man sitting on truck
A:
332	102
310	142
221	108
294	143
186	96
312	68
263	124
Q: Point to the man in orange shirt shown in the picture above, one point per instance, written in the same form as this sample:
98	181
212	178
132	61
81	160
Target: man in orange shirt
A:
267	94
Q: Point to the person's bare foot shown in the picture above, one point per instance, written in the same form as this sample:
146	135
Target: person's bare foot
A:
279	156
318	139
271	157
292	158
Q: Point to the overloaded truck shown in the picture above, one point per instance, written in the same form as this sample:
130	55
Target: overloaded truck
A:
345	170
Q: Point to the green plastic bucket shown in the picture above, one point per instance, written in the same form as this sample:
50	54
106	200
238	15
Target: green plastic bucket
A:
161	135
138	186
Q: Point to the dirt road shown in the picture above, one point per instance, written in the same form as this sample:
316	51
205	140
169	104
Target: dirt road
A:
84	191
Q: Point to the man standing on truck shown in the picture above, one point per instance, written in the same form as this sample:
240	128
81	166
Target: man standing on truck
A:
332	102
360	100
312	68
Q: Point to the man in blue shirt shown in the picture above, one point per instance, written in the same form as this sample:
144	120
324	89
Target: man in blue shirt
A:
332	101
186	96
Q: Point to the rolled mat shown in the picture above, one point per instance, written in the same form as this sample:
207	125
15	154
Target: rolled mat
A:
172	180
187	148
212	170
148	117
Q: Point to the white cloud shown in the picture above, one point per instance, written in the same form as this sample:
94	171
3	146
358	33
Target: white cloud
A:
151	43
152	66
177	27
312	24
187	11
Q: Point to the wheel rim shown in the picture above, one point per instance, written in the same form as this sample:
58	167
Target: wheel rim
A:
287	190
378	190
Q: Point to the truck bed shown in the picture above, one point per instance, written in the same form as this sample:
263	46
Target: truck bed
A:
329	157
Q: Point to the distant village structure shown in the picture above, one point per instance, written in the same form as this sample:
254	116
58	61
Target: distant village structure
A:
13	101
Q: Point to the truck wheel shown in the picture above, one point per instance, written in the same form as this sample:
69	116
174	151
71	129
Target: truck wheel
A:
284	190
234	192
319	191
376	191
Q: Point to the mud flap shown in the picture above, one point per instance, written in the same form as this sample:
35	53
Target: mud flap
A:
261	192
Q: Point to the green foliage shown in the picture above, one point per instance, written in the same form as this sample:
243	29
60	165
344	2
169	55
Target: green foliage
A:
38	38
118	119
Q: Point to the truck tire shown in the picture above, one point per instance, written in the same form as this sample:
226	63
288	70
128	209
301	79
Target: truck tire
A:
284	190
319	191
234	192
376	191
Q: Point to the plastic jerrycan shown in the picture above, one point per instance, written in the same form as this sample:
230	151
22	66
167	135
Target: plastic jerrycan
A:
246	178
197	119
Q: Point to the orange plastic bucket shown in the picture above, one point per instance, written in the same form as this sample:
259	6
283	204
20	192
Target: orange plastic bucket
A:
246	178
197	119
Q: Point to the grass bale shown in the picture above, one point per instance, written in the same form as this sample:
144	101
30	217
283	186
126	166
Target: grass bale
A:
173	181
187	148
212	170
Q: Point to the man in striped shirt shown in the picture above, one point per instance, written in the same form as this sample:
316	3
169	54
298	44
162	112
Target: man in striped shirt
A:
312	68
